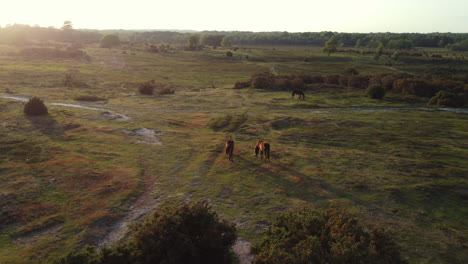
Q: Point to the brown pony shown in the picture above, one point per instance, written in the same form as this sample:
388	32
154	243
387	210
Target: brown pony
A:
264	149
298	92
230	148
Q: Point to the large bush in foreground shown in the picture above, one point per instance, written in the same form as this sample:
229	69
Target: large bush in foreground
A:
34	107
324	236
189	233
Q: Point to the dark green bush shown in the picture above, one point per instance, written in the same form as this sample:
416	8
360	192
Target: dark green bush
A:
34	107
324	236
376	91
240	85
229	54
189	233
446	98
147	88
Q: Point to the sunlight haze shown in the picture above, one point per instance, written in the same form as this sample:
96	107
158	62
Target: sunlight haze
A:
243	15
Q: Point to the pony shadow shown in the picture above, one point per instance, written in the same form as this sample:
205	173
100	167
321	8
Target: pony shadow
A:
300	186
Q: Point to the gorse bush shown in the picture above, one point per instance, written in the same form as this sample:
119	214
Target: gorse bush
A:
262	80
147	88
70	80
445	98
240	84
376	91
324	236
34	107
189	233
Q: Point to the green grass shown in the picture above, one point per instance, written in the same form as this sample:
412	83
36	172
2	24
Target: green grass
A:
66	177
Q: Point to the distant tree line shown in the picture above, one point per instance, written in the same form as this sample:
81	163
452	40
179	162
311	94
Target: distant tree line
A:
455	41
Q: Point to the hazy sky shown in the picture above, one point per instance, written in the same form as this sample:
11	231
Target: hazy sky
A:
244	15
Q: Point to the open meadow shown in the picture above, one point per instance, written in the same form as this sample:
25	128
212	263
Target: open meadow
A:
80	174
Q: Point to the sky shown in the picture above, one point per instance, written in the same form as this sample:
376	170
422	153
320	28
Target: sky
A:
363	16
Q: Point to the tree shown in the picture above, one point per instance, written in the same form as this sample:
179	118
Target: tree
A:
358	43
330	235
378	51
67	25
330	46
193	43
67	31
109	41
212	39
226	42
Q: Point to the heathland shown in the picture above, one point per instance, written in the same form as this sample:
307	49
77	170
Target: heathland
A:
106	155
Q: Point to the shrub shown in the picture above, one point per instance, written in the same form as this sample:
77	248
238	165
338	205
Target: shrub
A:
240	85
314	80
343	81
229	54
147	88
189	233
34	107
324	236
71	81
351	71
262	80
445	98
387	82
376	91
166	90
282	83
331	79
418	87
109	41
358	81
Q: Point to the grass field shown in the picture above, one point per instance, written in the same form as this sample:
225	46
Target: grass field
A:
66	179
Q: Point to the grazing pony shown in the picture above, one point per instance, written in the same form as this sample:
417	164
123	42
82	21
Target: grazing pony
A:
298	92
230	148
264	149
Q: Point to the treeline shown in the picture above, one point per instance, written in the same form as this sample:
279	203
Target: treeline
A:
455	41
19	34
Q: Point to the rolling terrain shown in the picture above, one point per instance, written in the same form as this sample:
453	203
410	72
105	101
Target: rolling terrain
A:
82	173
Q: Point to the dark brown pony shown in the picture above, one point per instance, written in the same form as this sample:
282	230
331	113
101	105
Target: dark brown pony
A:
264	149
298	92
230	148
